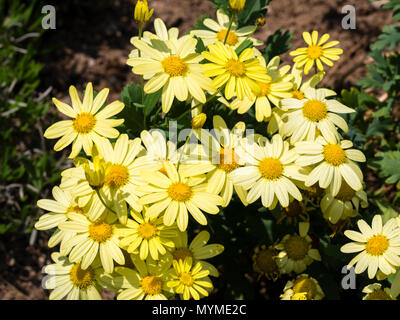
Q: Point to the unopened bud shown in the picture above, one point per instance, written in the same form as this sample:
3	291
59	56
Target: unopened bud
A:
199	121
260	22
142	13
237	5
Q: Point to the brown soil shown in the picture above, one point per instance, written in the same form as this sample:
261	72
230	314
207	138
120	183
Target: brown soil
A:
92	44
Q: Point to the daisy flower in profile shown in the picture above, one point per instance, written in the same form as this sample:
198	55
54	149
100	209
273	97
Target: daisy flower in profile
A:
198	250
379	246
268	172
88	124
93	239
296	252
238	74
176	69
264	262
272	91
59	208
344	205
303	287
219	29
332	161
220	148
297	210
189	280
68	279
318	51
143	235
175	195
375	291
147	282
303	117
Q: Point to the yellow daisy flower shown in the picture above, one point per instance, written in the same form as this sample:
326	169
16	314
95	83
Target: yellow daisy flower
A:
268	172
303	288
316	52
344	205
143	235
271	91
147	282
332	161
93	239
175	195
238	74
303	117
375	291
68	279
188	280
198	250
59	208
219	28
88	124
379	246
264	262
176	69
221	150
296	252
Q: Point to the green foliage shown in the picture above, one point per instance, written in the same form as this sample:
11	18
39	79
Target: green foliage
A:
389	166
277	44
389	38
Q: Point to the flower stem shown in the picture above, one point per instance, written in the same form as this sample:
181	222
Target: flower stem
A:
229	27
104	203
141	76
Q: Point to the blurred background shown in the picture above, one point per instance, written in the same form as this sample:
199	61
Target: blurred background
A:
91	43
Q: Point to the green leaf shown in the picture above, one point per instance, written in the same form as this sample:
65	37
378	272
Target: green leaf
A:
150	101
389	165
379	127
131	94
389	37
244	45
277	44
387	210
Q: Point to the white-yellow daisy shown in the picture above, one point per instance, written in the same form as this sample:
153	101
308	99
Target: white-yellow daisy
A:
303	287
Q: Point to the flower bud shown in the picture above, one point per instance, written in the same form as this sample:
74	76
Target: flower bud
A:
237	5
142	13
260	22
198	121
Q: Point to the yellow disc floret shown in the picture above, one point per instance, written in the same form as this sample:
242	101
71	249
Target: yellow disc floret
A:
232	38
186	278
179	191
100	231
377	245
296	247
334	154
235	67
314	52
81	278
147	230
265	89
151	285
297	94
271	168
117	176
315	110
84	123
227	160
174	66
306	286
76	209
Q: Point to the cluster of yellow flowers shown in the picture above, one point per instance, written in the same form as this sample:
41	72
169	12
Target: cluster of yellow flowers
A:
121	213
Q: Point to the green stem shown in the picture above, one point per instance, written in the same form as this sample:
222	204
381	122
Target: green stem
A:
141	76
229	27
104	203
180	156
210	98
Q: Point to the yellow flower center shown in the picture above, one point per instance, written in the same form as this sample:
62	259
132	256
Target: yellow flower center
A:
227	159
334	154
76	209
186	278
151	285
377	245
265	89
117	176
305	286
232	39
346	193
378	294
265	261
314	52
235	67
315	110
300	296
271	168
147	230
296	247
179	191
81	278
84	123
174	66
297	94
100	231
181	254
